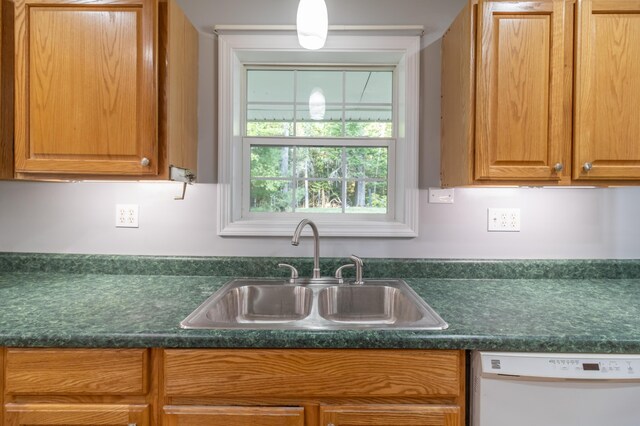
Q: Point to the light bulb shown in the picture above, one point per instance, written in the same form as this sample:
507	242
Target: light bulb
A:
312	24
317	104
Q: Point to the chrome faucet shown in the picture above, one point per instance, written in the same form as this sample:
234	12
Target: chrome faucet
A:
295	240
359	264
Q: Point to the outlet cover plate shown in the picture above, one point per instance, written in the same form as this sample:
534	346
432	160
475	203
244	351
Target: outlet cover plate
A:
127	216
441	195
503	220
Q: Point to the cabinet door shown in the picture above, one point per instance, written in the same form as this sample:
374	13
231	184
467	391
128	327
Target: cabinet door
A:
34	371
384	415
76	414
607	110
85	87
6	89
233	416
520	92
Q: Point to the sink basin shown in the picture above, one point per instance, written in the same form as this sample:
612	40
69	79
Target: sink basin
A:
263	303
318	304
368	304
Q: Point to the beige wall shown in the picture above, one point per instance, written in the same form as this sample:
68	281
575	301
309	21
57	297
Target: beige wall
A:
80	217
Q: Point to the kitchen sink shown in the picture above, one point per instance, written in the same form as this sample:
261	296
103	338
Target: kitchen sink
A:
320	304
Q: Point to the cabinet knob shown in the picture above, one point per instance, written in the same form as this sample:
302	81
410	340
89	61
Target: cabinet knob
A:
330	424
587	166
558	167
145	162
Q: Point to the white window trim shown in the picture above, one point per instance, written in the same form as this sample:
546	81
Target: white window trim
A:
230	139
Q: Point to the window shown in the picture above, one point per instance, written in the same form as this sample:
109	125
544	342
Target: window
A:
288	113
329	135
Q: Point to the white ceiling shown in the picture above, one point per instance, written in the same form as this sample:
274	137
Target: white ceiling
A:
434	15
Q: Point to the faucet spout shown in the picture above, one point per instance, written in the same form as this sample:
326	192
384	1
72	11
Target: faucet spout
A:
295	240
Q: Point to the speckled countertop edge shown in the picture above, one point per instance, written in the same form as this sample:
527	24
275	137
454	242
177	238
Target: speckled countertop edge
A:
267	266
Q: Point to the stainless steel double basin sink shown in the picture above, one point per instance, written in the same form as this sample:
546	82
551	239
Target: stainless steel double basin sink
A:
320	304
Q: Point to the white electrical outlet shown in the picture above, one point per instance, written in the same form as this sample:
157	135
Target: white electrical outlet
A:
126	216
503	220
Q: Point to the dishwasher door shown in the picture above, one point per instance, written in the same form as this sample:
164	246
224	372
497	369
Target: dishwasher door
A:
527	389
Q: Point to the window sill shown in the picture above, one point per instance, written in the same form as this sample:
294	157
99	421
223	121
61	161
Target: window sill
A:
328	228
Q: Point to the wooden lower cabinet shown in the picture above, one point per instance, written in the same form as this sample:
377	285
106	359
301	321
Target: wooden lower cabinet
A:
233	416
76	414
79	387
384	415
304	387
336	415
77	371
232	387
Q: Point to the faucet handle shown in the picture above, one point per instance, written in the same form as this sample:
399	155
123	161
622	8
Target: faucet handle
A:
356	260
294	272
338	274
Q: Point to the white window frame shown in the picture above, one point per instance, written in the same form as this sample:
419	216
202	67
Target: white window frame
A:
237	50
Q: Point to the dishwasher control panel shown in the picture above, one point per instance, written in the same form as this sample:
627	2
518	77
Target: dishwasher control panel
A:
561	366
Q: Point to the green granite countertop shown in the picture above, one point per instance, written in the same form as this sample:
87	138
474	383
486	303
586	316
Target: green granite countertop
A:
594	308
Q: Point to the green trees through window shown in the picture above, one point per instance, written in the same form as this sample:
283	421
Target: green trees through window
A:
319	179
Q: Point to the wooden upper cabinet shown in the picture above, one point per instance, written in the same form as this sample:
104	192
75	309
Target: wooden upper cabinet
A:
506	94
104	88
85	87
607	98
520	91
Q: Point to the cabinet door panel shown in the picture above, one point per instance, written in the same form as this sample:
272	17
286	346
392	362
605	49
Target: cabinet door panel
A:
607	122
85	87
234	416
396	415
299	373
76	414
519	105
76	371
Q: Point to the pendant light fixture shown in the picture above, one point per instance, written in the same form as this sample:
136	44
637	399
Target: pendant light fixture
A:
312	24
317	104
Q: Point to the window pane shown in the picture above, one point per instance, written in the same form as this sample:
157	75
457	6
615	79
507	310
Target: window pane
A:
366	197
326	104
369	114
319	129
367	163
261	128
368	130
319	197
270	196
270	86
373	87
271	161
331	113
329	82
319	162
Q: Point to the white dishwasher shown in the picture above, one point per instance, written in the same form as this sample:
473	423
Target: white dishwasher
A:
539	389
